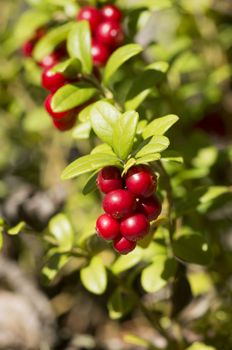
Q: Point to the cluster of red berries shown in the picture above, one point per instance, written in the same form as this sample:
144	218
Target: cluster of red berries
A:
129	204
107	32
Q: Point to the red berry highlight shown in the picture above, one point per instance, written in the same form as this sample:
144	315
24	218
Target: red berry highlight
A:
110	33
52	80
141	181
109	179
100	53
123	245
135	227
107	227
50	60
90	14
150	207
119	203
111	13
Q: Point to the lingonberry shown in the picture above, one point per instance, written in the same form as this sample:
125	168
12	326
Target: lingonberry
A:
64	125
109	179
107	227
134	227
141	181
64	116
119	203
123	245
90	14
150	207
100	53
110	33
52	80
111	13
28	47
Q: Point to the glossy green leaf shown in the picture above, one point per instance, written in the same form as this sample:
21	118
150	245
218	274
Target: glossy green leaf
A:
88	164
94	277
126	262
84	114
148	158
128	165
158	66
81	131
72	95
79	45
103	119
192	247
16	229
69	67
61	229
54	265
123	133
103	148
152	145
90	184
119	57
157	275
200	346
51	40
120	303
133	102
172	156
160	125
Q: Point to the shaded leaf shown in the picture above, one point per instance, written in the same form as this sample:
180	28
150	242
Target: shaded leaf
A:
90	184
94	277
120	303
61	229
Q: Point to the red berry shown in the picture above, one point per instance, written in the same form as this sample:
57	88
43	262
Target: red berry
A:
90	14
123	245
109	179
64	125
119	203
64	116
100	53
110	33
150	207
107	227
52	80
135	227
50	60
111	13
28	47
141	181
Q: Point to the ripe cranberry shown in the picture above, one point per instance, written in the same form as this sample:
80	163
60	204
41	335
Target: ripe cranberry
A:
90	14
135	227
150	207
28	47
107	227
123	245
119	203
109	179
100	53
111	13
110	33
50	60
141	181
64	125
52	80
64	116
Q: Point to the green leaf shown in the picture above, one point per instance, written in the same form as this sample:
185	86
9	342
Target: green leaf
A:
160	125
103	148
156	276
54	265
191	247
88	164
124	132
16	229
79	45
200	346
90	185
69	67
133	102
160	66
103	118
152	145
172	156
28	23
148	158
128	165
120	56
61	229
84	114
82	131
51	40
94	277
72	95
1	239
120	303
126	262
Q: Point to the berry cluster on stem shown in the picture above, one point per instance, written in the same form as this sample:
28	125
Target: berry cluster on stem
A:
129	204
